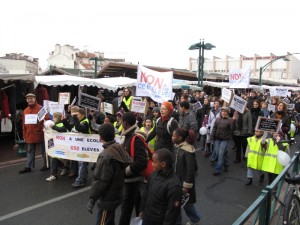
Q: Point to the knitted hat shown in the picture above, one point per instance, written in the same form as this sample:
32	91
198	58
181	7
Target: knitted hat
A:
169	106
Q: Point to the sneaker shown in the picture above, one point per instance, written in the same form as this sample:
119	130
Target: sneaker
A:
44	168
185	198
78	184
25	170
64	171
51	178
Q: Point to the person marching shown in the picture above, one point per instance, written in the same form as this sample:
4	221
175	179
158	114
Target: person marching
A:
255	156
147	128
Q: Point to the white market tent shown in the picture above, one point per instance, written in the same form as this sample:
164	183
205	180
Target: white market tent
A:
61	80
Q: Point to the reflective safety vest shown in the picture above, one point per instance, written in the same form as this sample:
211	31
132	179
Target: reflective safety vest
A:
59	124
88	122
151	143
120	128
256	153
270	162
128	102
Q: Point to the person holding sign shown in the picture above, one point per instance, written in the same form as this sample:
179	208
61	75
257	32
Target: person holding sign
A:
33	133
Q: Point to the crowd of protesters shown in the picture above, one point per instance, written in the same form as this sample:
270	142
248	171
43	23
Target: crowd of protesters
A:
171	132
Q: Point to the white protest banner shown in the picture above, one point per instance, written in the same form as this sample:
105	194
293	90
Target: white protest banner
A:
55	107
64	98
89	101
271	107
108	108
42	113
153	84
138	106
46	104
238	103
226	94
239	78
73	146
279	91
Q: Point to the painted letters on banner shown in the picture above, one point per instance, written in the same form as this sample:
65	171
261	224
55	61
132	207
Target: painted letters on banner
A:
226	95
239	78
153	84
238	103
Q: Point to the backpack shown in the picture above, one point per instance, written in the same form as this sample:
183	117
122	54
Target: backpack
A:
168	124
148	170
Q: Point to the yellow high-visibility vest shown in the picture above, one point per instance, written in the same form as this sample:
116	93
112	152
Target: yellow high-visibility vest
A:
88	122
151	143
120	128
256	153
270	162
128	102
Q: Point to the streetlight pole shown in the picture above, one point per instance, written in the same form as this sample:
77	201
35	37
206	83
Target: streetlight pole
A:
96	60
201	46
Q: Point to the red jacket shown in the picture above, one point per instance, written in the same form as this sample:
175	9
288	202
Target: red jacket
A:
33	133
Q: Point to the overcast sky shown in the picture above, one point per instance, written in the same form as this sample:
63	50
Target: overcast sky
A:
156	32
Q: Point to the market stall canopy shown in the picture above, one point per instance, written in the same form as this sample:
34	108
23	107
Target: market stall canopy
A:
106	83
23	77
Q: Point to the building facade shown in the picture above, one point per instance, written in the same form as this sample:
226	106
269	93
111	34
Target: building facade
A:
18	63
285	69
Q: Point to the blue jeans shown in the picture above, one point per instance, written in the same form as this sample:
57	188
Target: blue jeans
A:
215	152
191	212
31	154
221	145
82	172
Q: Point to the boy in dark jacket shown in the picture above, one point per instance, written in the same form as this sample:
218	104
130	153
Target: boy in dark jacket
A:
108	180
162	197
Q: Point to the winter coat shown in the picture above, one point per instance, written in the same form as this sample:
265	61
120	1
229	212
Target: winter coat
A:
162	197
108	178
205	110
285	121
185	166
255	113
4	105
140	160
223	129
163	135
188	121
33	133
247	128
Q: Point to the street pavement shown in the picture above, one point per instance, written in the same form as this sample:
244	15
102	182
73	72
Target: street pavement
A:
28	199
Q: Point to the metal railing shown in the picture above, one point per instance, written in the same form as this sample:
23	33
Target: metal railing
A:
268	207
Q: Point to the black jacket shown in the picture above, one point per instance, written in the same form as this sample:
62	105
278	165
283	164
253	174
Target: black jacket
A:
108	179
200	115
163	137
185	167
140	160
162	197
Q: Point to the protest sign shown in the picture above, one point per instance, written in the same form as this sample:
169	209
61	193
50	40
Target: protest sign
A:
290	106
197	105
64	98
267	124
239	104
279	91
42	113
108	108
239	78
46	104
89	101
226	95
31	118
271	108
138	106
286	100
153	84
55	107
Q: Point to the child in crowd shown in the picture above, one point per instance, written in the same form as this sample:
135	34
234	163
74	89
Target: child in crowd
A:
118	123
255	156
108	178
55	162
147	128
162	196
185	168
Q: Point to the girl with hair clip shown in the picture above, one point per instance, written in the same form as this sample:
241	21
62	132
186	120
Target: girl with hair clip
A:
185	167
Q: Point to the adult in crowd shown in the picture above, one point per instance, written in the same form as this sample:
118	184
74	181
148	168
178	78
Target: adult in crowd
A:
187	120
242	130
220	136
252	97
116	102
200	115
127	99
164	128
33	133
133	176
255	113
264	109
281	113
81	125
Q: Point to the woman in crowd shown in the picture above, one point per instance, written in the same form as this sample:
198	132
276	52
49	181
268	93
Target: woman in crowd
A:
255	113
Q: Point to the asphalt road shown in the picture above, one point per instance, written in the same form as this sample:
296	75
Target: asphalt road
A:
28	199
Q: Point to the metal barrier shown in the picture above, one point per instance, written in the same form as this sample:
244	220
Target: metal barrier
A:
267	208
